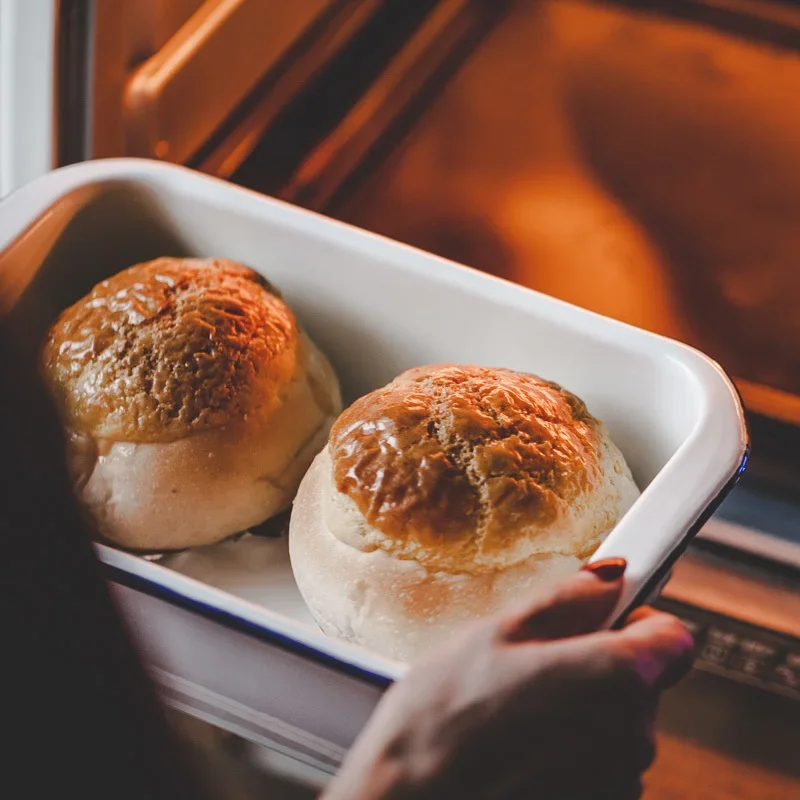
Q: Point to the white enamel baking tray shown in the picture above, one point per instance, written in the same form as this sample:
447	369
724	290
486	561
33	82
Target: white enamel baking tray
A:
376	308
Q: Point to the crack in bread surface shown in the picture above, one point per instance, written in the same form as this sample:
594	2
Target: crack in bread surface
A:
170	347
464	458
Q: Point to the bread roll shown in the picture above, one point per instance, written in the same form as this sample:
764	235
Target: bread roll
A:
444	494
193	401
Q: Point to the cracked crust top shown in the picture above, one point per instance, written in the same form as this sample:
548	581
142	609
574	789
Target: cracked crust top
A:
170	347
465	458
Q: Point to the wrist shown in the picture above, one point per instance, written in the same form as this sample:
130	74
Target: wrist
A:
381	780
391	769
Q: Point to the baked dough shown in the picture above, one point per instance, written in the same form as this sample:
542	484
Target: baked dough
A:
446	493
193	401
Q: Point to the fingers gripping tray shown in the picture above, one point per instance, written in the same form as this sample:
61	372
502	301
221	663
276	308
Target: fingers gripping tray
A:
224	628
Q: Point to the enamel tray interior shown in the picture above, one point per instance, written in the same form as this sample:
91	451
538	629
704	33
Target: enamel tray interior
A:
376	308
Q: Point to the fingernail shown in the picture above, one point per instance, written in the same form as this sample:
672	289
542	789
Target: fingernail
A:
608	569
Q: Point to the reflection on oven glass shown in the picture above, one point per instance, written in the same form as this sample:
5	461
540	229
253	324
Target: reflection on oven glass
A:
642	166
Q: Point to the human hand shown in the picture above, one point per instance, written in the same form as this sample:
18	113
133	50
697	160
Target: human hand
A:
534	702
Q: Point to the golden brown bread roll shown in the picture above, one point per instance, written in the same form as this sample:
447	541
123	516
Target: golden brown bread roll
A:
194	401
445	493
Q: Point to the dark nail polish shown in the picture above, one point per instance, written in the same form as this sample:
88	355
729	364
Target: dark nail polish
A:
608	570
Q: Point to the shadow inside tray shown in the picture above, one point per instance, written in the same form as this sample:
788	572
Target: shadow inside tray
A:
88	235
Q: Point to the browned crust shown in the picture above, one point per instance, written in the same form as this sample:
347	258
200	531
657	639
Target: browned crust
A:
170	347
453	455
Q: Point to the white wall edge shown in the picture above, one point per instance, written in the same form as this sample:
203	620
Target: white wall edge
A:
27	91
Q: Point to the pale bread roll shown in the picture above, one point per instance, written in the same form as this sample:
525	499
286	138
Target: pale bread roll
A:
445	494
193	401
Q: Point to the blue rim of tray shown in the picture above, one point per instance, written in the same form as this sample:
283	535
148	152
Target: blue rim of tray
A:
269	636
252	629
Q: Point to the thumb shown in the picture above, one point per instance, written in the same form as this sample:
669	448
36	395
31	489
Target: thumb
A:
573	606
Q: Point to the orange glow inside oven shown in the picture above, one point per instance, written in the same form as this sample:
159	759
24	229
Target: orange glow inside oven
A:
645	167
